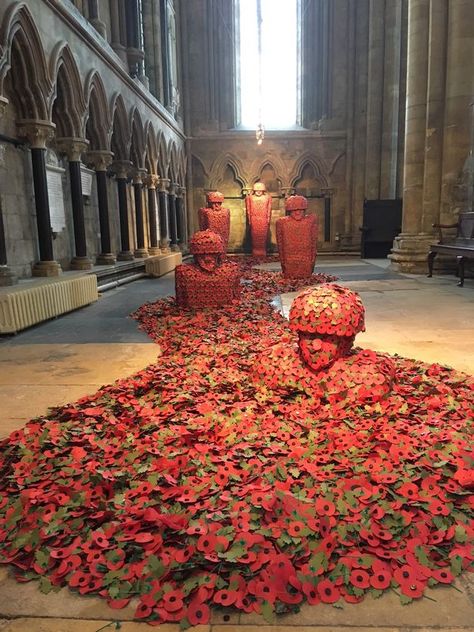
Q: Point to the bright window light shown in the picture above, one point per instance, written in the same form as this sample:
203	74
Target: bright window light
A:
279	80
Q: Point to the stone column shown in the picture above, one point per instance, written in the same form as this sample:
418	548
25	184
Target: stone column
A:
121	169
163	214
95	20
100	161
151	183
172	217
434	114
135	54
38	133
459	94
6	275
410	248
117	35
138	176
74	148
152	47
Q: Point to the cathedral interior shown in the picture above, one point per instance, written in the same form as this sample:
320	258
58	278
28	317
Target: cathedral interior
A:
184	462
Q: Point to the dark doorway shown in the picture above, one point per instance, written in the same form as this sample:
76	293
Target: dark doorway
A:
382	222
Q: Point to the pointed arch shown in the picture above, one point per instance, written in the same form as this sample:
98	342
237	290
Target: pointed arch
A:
172	169
98	123
120	139
21	48
275	162
151	151
67	100
219	167
137	148
163	157
308	159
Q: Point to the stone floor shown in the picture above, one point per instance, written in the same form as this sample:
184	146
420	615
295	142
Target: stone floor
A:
58	361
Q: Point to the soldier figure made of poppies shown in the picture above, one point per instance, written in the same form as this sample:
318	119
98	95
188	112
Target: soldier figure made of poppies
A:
296	238
215	217
259	211
322	362
207	282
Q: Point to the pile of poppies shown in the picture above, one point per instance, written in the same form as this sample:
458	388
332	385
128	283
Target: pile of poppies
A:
185	488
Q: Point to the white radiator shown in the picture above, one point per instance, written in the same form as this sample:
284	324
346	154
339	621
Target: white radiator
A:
23	307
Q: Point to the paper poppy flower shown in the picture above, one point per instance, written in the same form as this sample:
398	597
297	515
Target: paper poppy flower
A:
198	613
327	591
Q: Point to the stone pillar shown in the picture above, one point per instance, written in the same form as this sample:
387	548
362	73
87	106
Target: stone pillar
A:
121	169
135	54
172	217
375	98
459	94
95	20
38	133
163	214
434	114
100	161
73	148
411	247
152	46
6	275
151	183
117	36
138	177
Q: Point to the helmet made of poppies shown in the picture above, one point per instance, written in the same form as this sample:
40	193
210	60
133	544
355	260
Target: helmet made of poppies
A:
296	203
206	242
328	309
259	186
215	196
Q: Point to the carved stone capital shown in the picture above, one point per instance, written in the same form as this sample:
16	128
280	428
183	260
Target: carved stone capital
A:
3	105
173	188
164	184
38	133
152	181
72	147
180	191
121	168
139	175
98	159
327	192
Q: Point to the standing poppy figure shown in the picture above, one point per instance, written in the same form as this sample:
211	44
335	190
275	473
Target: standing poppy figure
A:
322	362
207	282
259	211
215	217
296	238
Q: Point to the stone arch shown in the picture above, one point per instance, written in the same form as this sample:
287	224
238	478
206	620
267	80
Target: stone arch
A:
163	157
22	50
219	167
137	148
67	107
302	163
173	166
275	163
181	161
98	125
120	139
151	151
270	176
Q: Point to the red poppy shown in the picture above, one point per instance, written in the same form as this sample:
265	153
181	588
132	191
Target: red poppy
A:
327	591
198	613
359	578
380	579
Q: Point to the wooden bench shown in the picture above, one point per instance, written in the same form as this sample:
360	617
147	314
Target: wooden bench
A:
462	247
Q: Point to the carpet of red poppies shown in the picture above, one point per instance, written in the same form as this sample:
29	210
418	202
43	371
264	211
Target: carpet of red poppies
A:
186	487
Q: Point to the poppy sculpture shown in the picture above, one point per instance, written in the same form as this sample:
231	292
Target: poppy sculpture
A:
208	282
296	238
215	217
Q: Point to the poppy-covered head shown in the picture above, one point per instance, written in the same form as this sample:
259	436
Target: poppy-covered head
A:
326	319
259	188
296	205
207	248
215	197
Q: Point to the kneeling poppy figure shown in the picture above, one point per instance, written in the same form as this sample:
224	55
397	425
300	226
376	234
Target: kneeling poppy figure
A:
297	235
207	282
322	363
215	217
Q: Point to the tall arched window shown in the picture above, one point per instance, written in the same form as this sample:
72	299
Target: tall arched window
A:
268	72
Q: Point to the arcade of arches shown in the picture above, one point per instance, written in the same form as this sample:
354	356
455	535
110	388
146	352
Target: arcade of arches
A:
117	117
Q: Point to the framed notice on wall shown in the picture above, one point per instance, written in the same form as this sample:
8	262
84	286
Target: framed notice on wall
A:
86	180
56	198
